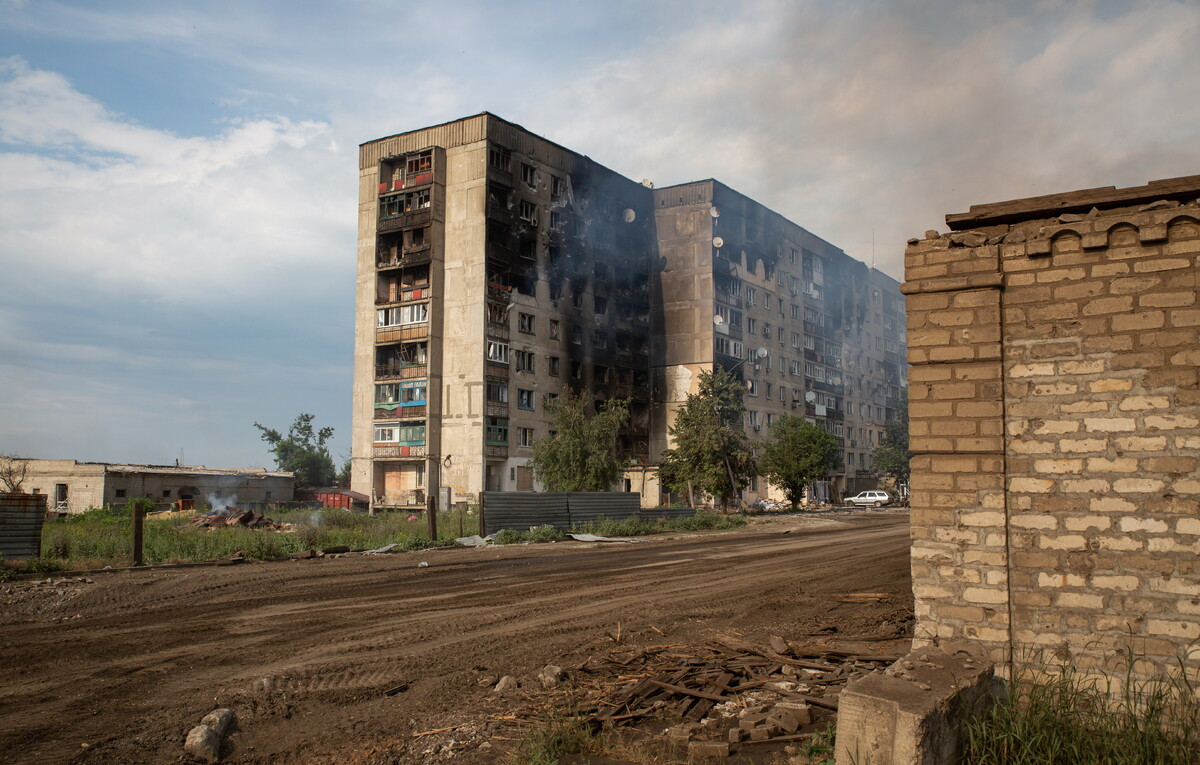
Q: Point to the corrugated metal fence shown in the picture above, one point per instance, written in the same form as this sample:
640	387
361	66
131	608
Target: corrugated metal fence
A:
520	510
21	518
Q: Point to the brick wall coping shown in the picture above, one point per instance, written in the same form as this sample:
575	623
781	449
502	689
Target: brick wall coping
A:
1183	188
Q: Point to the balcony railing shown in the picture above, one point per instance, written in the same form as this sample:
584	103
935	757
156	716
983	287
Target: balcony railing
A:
496	409
414	255
492	450
413	218
404	332
398	450
414	412
404	498
401	370
406	295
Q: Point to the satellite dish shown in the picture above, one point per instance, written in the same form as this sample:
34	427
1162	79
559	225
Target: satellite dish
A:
810	397
718	320
761	353
629	215
714	212
718	242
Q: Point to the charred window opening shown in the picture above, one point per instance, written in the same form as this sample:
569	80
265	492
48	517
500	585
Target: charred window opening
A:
576	370
524	360
601	305
407	284
500	157
554	365
624	342
577	297
599	339
558	187
497	313
527	247
527	211
576	334
529	175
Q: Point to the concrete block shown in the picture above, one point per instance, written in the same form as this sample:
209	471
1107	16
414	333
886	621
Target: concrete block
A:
913	711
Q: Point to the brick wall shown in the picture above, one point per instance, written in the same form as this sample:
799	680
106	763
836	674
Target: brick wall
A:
1055	415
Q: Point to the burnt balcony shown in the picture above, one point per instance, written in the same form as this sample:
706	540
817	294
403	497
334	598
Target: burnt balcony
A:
411	255
410	219
406	295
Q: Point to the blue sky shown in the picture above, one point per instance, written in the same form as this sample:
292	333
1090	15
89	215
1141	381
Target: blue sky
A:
178	180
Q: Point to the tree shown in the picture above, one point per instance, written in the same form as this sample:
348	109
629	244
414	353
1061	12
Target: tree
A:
13	470
892	456
302	451
581	453
711	453
797	453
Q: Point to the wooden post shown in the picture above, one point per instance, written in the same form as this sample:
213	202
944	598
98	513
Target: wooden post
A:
431	505
138	517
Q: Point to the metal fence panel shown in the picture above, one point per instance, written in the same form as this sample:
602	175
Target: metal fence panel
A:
21	518
587	506
520	510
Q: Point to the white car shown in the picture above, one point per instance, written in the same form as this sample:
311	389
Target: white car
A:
872	498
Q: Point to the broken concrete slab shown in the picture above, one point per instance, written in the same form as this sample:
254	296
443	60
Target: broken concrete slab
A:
912	712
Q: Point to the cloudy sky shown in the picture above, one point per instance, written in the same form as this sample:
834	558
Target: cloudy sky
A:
178	180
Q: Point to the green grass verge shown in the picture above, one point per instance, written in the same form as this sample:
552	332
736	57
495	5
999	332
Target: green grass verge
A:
1072	719
99	538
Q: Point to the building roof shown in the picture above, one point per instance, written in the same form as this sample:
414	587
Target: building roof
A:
121	467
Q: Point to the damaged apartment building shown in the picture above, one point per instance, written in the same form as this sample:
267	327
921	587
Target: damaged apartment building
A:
497	269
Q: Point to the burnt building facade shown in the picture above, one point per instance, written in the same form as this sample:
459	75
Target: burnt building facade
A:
496	269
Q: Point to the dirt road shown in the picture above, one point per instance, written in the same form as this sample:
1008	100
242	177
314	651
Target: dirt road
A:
118	670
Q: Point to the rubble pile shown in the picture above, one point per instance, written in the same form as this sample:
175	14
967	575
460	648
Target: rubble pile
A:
235	516
725	694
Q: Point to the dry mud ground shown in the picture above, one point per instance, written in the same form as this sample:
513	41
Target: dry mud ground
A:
118	670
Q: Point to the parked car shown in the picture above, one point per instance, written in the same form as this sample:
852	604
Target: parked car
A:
870	498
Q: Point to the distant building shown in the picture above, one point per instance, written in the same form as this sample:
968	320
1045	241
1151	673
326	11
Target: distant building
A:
71	486
496	268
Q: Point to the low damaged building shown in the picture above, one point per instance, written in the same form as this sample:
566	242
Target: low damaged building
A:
73	487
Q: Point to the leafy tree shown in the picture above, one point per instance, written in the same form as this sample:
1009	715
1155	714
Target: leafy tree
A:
582	454
13	470
711	453
302	451
892	456
797	453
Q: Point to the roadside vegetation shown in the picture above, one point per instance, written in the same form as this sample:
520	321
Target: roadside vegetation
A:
1072	719
102	537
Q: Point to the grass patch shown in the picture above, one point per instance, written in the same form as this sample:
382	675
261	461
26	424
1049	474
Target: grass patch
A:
627	527
1070	719
559	737
102	537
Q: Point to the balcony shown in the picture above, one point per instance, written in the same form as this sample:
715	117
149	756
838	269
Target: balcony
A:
404	498
400	184
406	332
403	412
412	255
496	409
406	295
409	219
501	292
495	450
400	370
398	450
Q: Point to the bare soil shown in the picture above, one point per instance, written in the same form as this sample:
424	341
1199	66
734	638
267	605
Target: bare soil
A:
117	670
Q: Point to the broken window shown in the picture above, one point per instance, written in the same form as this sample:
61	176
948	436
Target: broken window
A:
524	361
497	352
554	364
497	391
500	158
525	323
420	163
576	334
599	339
529	175
601	305
558	187
524	399
524	436
554	329
497	431
402	315
528	212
